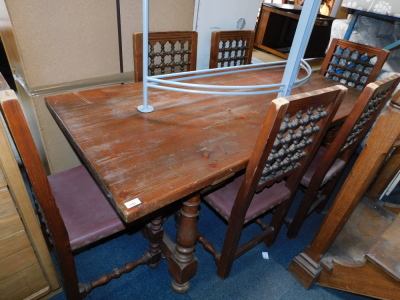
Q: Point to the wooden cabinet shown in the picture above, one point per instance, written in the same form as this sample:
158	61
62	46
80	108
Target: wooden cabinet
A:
26	268
277	25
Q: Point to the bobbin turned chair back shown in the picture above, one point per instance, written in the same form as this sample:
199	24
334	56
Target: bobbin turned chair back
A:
72	208
231	48
169	52
290	134
325	169
353	64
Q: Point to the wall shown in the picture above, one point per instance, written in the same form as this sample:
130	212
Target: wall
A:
62	46
164	15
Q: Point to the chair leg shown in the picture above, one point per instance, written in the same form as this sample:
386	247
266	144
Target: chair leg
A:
155	233
278	220
69	276
313	200
208	246
231	243
152	256
87	287
327	192
230	250
302	212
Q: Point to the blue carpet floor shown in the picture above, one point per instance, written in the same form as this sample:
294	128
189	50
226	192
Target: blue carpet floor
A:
252	277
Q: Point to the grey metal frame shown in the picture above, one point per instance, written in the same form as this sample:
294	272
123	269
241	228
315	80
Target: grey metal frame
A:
289	80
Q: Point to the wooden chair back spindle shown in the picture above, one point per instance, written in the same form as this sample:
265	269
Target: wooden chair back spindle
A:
353	64
231	48
327	166
169	52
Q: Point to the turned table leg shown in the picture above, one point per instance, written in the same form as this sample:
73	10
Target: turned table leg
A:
182	263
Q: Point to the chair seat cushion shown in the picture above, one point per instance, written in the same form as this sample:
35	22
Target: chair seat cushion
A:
87	214
222	199
337	166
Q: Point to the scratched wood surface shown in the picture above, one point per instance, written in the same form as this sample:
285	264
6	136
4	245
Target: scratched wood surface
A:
189	142
386	252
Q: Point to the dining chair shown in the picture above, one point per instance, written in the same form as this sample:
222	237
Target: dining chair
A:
290	134
327	166
231	48
169	52
353	64
70	205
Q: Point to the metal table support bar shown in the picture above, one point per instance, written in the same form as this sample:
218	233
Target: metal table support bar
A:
289	80
304	28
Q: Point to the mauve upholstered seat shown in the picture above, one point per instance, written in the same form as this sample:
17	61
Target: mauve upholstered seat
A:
289	137
222	199
337	166
74	212
88	217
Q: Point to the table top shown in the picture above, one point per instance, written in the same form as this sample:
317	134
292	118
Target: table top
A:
145	161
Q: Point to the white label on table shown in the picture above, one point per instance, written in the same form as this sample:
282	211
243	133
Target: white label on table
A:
265	255
133	203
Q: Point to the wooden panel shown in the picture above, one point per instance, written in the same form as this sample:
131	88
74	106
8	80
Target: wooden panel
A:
17	262
386	253
3	181
358	280
10	222
72	40
13	244
362	230
385	176
28	283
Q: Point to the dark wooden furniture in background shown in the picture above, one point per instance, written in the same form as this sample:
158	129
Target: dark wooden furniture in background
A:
5	69
235	47
276	27
353	64
326	168
289	137
65	202
190	142
327	3
361	255
169	52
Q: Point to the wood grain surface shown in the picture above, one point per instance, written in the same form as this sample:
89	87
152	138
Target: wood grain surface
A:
189	142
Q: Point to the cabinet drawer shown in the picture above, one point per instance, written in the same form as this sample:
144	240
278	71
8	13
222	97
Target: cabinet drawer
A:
13	244
3	181
27	283
17	262
10	221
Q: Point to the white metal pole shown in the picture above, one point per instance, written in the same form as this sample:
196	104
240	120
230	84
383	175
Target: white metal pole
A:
335	8
145	108
303	32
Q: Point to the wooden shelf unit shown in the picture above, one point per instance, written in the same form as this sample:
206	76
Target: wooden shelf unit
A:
276	27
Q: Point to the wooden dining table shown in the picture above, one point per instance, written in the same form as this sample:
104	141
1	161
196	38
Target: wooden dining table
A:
146	161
